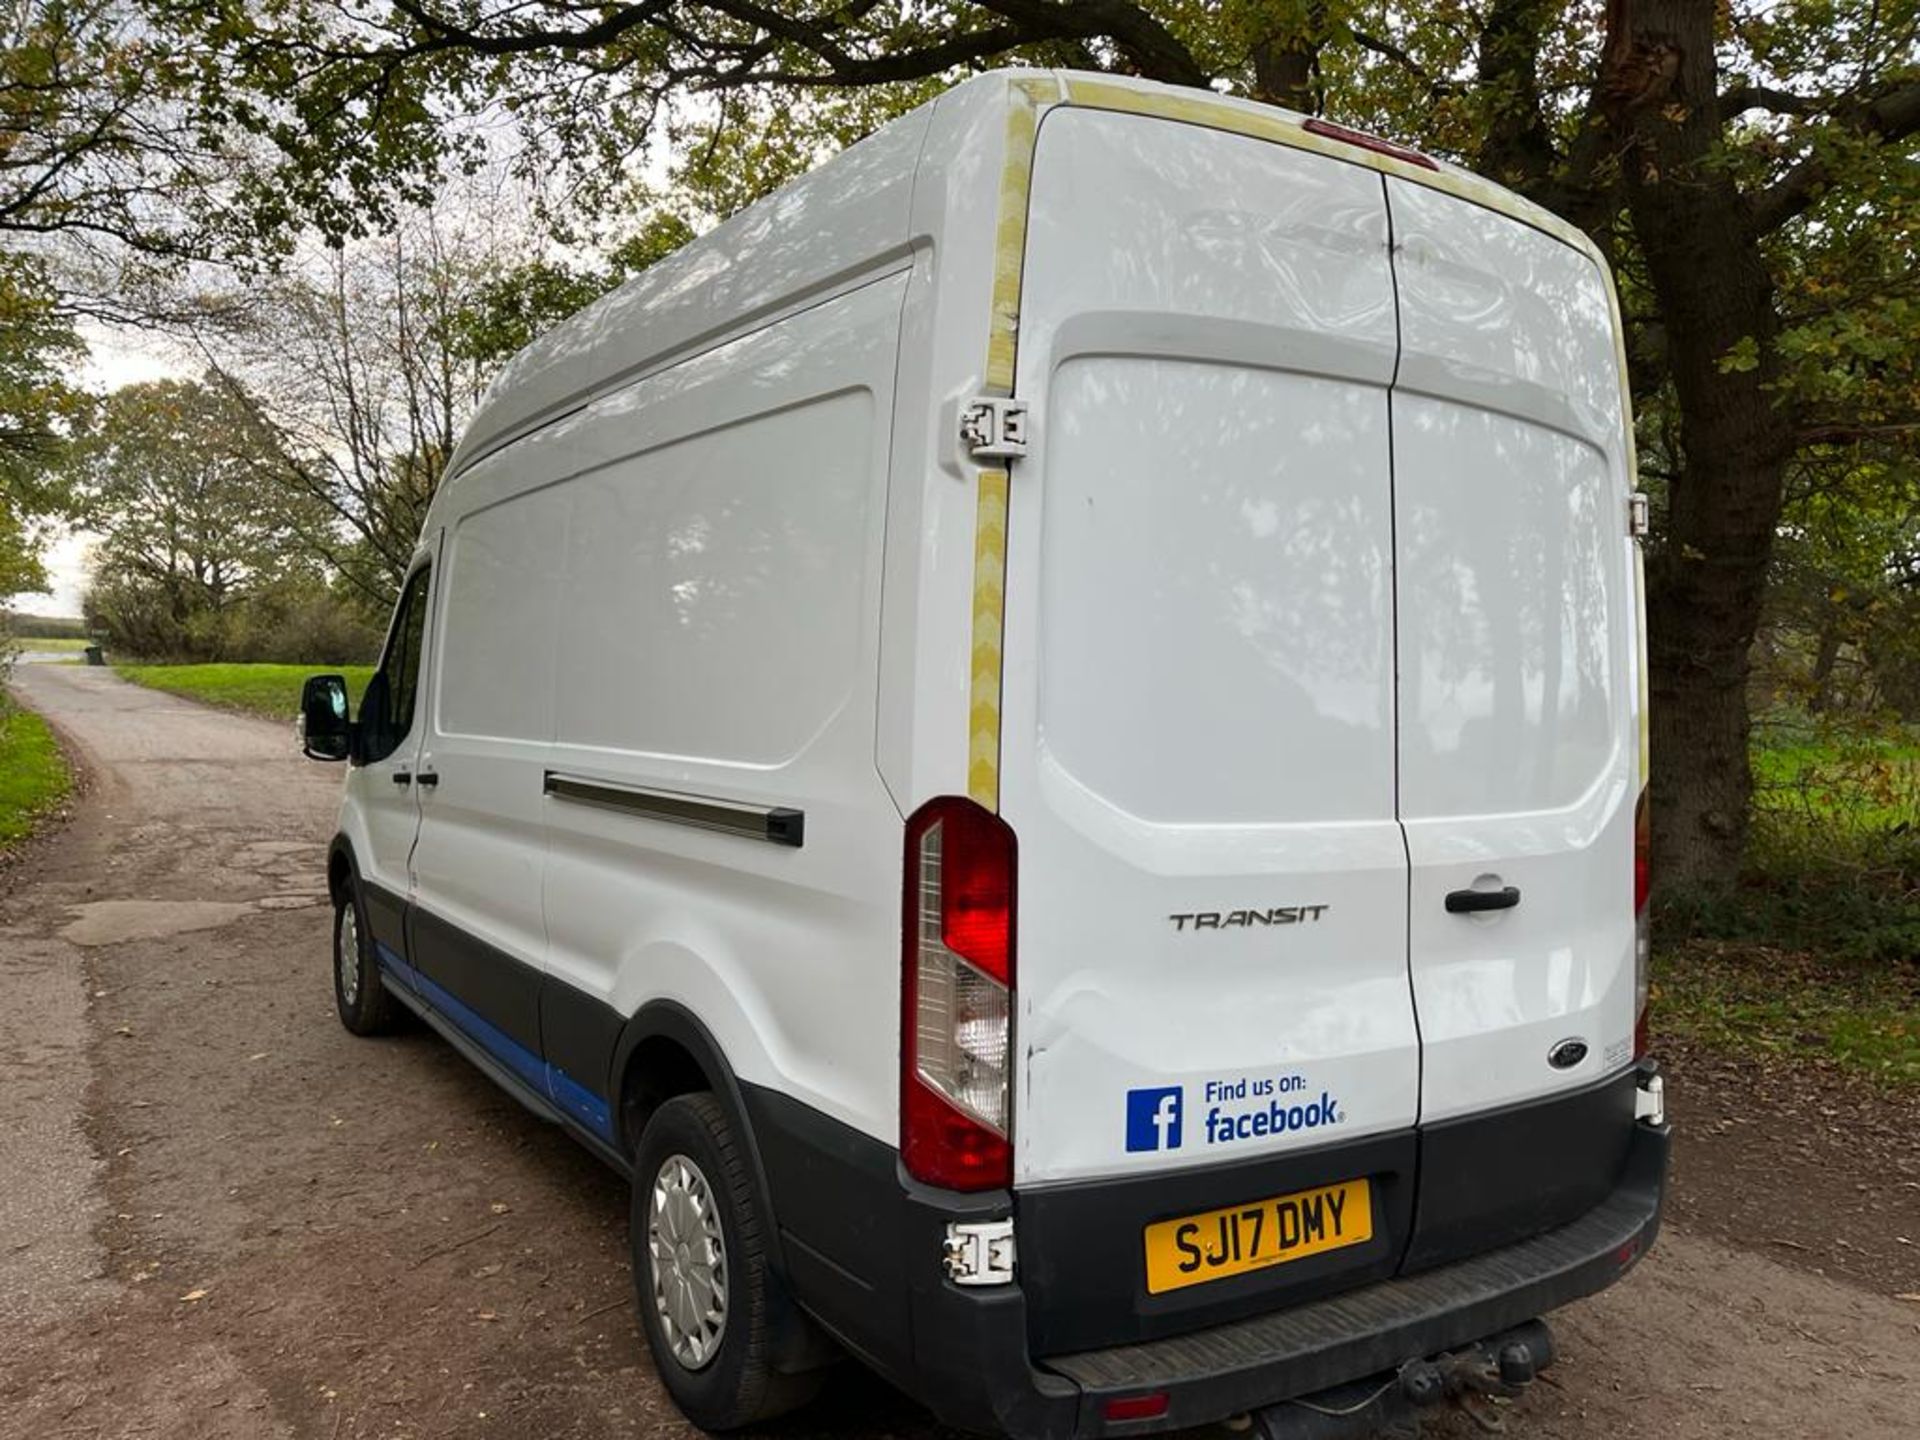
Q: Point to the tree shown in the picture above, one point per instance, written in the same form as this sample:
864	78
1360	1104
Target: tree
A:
1750	170
369	362
178	480
38	410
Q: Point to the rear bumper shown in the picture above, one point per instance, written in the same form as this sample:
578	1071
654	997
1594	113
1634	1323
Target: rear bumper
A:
866	1266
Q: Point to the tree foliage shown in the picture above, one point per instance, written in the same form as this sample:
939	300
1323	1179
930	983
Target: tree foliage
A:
1749	167
39	408
178	480
367	362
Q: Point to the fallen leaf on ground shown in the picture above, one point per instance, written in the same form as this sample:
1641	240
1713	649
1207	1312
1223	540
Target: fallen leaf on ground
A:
192	1295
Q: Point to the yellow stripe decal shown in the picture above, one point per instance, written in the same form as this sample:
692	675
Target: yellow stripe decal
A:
1028	100
989	595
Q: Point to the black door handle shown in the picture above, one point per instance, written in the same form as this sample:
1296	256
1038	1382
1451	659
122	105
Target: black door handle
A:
1471	902
429	777
401	777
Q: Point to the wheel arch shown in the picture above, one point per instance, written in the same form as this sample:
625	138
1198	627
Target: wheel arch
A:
342	868
649	1067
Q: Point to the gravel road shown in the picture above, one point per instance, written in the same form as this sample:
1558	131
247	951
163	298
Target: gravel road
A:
222	1216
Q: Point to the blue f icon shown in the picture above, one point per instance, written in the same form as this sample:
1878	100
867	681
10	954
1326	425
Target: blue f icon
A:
1153	1119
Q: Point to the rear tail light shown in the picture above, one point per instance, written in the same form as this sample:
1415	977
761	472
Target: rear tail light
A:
957	982
1642	929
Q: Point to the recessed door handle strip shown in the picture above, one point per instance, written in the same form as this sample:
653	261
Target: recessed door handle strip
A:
774	824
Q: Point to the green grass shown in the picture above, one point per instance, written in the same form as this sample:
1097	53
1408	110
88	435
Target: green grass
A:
33	773
272	690
1816	953
1744	999
66	644
1857	777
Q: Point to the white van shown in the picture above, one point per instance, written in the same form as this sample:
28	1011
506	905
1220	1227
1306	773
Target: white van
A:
1042	736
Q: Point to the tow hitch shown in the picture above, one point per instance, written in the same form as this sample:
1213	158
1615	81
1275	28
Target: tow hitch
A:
1470	1378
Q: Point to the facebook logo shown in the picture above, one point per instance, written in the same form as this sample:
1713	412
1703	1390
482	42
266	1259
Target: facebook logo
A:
1153	1119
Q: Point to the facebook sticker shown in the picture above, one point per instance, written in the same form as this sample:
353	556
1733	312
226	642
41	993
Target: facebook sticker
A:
1153	1119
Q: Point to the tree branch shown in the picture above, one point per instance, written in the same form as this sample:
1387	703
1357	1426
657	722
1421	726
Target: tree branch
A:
1890	116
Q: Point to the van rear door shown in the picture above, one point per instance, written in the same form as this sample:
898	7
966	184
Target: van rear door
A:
1197	712
1517	764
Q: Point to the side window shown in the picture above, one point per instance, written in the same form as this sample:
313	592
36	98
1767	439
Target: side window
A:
386	712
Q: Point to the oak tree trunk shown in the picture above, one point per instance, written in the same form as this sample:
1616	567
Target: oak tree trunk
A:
1707	577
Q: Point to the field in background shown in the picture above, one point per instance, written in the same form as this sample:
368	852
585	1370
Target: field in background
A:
270	690
65	644
33	774
1817	955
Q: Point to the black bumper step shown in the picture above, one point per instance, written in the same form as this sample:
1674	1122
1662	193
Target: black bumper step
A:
1250	1363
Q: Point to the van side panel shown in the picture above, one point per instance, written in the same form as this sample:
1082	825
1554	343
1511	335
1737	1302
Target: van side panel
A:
1518	763
718	639
814	236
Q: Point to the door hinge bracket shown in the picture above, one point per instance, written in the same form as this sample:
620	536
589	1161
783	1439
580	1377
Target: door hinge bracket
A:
979	1252
994	428
1650	1100
1639	515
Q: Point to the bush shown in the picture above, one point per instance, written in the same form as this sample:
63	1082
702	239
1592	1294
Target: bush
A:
297	621
1834	856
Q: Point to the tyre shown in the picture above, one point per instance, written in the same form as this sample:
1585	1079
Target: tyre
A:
363	1002
700	1270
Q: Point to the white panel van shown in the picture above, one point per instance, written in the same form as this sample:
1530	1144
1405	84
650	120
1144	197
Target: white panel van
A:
1042	737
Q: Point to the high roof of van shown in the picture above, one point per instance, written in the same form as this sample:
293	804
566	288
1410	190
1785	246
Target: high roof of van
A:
851	214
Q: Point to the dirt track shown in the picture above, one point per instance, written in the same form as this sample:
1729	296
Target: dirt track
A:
221	1216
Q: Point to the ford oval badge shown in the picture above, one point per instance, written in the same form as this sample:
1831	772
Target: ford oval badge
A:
1567	1054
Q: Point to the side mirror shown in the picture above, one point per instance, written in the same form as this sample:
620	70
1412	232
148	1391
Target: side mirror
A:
326	731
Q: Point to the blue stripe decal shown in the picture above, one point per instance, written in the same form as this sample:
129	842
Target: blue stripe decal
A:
495	1041
581	1103
550	1081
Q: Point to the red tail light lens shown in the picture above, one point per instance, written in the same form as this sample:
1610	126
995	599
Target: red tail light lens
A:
1642	854
957	988
1642	924
1349	136
1150	1406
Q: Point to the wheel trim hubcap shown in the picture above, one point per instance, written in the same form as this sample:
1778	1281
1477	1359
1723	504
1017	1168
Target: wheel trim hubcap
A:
689	1254
347	961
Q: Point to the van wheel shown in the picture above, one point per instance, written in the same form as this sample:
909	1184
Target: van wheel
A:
363	1002
700	1270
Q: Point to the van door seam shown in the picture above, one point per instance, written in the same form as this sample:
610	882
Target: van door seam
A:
1406	845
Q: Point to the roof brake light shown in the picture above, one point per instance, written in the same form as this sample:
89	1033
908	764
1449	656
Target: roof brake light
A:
1349	136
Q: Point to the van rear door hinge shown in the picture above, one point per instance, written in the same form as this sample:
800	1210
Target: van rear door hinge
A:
979	1252
1639	515
994	428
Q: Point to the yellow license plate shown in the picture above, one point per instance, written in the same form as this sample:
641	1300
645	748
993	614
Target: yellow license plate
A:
1199	1248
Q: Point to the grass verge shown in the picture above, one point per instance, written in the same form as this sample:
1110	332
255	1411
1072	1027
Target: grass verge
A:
33	773
1748	1000
1815	953
50	644
270	690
